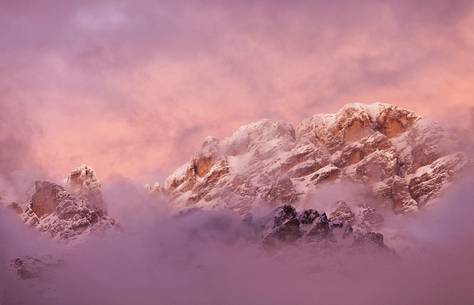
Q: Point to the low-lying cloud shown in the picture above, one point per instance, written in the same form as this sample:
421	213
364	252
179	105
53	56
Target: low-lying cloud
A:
213	257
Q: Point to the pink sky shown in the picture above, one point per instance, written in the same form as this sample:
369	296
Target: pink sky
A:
133	87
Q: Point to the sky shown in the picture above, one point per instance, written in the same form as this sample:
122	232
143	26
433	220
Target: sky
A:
132	88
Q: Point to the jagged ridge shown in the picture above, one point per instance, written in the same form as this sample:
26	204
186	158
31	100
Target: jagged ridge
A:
404	159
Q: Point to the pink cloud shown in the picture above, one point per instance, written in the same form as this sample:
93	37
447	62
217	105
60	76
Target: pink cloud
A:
133	89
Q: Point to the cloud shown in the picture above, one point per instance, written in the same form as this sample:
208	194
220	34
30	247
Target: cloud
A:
212	258
100	18
133	88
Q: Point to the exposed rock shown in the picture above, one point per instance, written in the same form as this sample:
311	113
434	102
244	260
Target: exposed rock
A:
286	226
46	198
283	214
84	185
404	159
371	238
282	190
342	213
289	226
368	218
67	213
325	174
427	182
308	216
304	168
320	227
395	191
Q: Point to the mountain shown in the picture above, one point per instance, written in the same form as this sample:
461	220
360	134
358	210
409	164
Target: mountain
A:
308	226
68	212
403	159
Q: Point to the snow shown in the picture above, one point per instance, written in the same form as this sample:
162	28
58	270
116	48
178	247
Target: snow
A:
239	164
260	153
74	211
177	174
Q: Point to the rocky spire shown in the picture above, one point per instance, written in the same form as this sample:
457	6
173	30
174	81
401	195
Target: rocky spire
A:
71	211
83	183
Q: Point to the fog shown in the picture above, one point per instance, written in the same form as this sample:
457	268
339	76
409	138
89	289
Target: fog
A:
214	257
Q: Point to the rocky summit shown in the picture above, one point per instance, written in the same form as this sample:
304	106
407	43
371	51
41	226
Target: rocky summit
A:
403	159
68	212
289	226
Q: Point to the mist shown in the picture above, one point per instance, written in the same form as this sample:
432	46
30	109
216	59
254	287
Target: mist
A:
213	257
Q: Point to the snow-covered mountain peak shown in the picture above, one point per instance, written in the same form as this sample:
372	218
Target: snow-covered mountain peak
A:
383	147
355	121
71	211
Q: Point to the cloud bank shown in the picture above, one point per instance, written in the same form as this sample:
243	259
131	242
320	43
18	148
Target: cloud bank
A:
133	87
211	258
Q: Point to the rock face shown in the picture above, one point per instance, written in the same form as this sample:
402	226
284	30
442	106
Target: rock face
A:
71	211
84	185
46	198
404	159
287	225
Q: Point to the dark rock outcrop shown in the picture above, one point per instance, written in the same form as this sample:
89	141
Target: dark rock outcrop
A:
289	226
